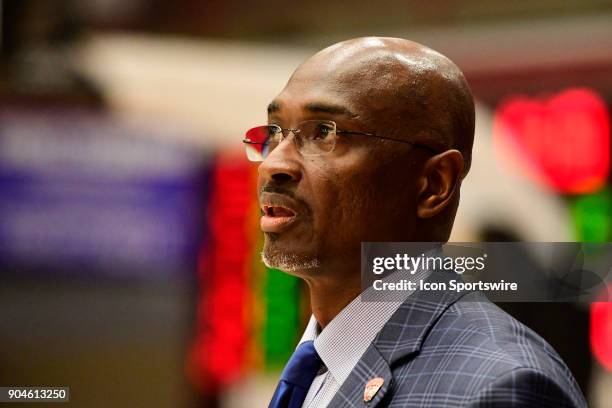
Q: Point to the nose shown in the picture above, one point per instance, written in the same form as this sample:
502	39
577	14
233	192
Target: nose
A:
283	163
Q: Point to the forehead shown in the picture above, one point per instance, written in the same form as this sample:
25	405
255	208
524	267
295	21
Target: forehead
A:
313	92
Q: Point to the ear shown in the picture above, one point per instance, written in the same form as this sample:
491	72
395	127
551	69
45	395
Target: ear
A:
440	177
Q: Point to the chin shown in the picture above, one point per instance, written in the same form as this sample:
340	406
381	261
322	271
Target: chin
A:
289	260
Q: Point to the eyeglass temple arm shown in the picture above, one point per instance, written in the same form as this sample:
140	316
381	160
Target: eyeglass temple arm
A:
417	144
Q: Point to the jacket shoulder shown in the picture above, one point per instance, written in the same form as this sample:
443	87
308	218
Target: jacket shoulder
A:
470	348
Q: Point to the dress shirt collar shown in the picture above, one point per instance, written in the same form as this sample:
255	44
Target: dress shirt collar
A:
346	338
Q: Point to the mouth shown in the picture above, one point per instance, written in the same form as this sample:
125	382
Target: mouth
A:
277	214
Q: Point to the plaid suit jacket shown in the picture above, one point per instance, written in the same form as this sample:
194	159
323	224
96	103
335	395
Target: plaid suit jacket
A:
459	350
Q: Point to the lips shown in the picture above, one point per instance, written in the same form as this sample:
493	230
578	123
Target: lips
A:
279	212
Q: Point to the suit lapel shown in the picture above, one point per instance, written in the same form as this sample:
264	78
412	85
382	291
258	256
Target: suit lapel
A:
400	338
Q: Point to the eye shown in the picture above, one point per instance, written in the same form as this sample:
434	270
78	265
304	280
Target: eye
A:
273	130
322	131
274	133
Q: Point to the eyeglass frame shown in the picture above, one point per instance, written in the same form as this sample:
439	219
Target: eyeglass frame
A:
336	131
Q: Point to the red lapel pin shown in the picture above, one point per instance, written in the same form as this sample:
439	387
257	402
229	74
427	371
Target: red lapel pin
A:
372	388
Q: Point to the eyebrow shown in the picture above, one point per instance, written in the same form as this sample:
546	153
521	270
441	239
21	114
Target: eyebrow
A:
317	107
329	108
273	107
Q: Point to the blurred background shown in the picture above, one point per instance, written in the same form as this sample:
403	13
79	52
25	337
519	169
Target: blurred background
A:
129	266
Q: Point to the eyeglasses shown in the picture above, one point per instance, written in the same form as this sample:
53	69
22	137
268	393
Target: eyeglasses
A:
312	138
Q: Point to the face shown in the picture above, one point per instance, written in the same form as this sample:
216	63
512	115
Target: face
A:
318	209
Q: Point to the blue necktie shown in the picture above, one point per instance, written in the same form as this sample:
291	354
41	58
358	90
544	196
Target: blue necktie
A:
297	377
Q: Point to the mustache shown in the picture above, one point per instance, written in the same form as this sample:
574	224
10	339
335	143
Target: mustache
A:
270	188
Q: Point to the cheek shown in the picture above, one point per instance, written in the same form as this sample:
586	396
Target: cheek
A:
325	189
379	203
357	199
347	201
331	193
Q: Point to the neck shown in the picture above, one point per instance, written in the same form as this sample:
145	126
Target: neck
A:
329	295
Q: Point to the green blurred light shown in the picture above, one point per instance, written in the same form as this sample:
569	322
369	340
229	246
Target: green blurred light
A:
592	215
280	327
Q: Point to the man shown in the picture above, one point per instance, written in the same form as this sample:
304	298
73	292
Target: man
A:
369	141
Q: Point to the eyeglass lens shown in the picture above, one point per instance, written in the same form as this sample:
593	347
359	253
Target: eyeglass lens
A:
312	137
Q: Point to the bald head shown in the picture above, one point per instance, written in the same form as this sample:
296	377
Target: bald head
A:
399	87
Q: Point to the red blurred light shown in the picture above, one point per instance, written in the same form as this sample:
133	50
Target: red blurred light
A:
562	141
601	332
219	352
